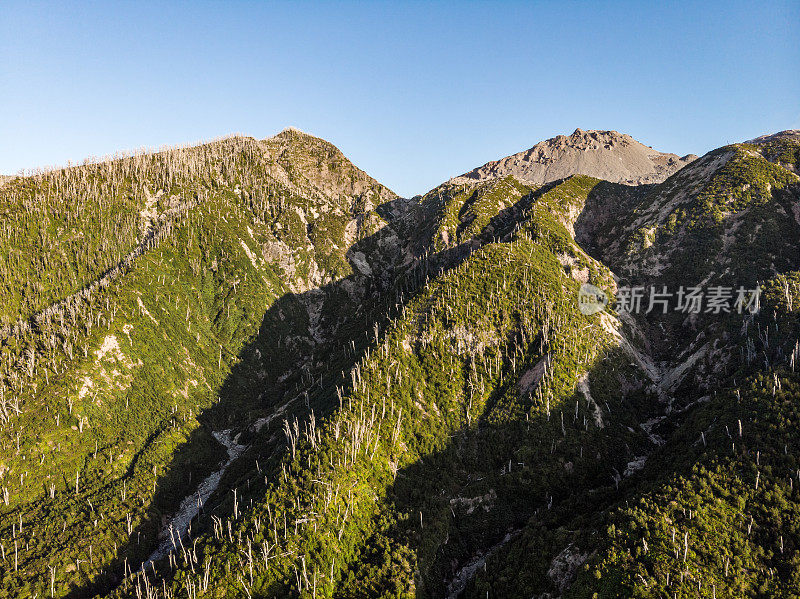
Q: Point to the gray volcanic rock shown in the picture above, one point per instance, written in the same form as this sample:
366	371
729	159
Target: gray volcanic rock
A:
608	155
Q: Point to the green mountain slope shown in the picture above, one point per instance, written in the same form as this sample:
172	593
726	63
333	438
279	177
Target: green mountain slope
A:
108	389
247	369
712	512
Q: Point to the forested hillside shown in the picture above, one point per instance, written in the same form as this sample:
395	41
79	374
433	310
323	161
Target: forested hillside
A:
247	369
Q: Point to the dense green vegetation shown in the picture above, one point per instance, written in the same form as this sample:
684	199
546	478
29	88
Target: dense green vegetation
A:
246	369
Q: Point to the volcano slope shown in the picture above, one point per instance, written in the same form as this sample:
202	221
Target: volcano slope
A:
247	369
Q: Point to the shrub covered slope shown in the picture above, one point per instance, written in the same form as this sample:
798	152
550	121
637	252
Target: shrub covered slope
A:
247	369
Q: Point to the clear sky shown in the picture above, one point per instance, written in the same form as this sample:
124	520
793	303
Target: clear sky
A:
413	93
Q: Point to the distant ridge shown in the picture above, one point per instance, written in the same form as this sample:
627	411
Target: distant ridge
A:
609	155
791	134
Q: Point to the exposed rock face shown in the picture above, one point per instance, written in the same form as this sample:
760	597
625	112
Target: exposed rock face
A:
615	157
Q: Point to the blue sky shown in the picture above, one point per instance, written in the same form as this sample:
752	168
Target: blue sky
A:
413	93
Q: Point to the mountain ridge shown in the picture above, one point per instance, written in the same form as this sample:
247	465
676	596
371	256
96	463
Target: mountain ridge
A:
371	396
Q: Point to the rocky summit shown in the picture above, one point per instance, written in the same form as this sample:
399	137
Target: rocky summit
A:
607	155
248	369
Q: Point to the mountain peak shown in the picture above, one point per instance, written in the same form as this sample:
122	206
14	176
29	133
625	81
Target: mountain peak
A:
297	158
609	155
791	134
291	131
